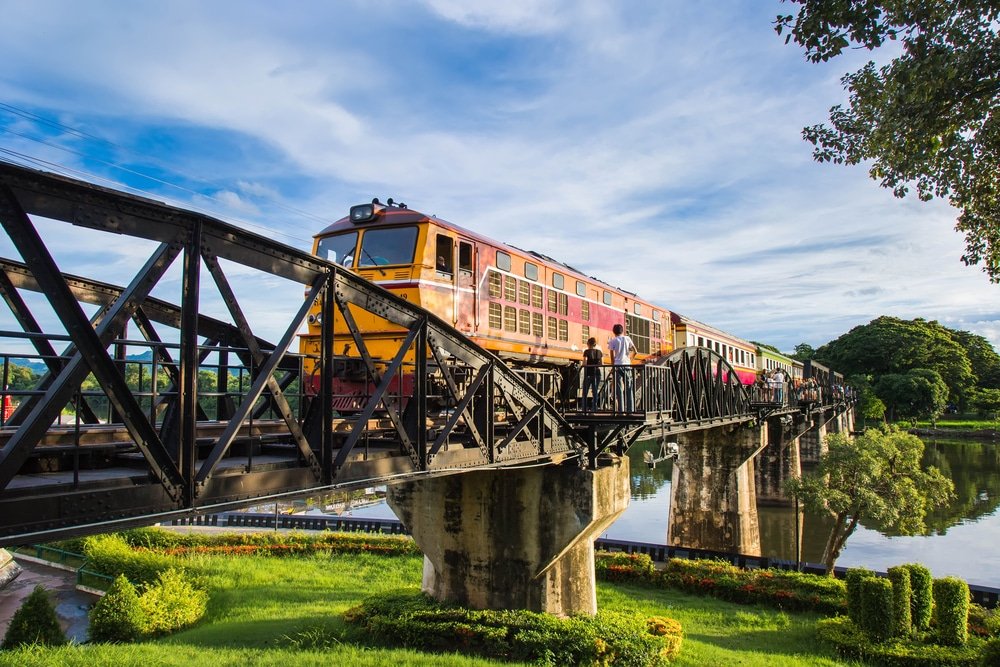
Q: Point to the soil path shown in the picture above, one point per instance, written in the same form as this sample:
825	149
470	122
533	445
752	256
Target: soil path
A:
71	605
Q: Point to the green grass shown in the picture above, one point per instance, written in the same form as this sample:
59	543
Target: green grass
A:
958	422
266	610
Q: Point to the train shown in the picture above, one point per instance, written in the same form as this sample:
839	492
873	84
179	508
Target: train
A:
531	310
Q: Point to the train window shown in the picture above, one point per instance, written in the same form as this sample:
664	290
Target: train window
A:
465	256
509	318
656	330
638	309
581	288
553	328
536	296
445	254
496	285
585	333
585	311
553	302
388	246
530	271
524	292
510	288
338	248
656	316
607	297
638	331
524	321
717	346
563	304
701	341
557	281
503	261
537	330
563	330
496	315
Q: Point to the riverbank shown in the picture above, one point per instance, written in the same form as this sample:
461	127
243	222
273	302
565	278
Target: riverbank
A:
985	435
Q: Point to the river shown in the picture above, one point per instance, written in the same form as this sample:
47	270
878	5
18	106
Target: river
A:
961	541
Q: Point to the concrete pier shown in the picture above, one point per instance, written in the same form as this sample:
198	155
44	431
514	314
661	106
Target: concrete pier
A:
713	502
519	538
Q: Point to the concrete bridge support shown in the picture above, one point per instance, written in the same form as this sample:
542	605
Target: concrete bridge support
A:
779	461
9	570
514	538
713	502
812	444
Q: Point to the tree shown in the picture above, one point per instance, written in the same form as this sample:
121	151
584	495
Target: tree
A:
874	477
870	406
804	352
984	359
891	345
920	393
35	622
929	118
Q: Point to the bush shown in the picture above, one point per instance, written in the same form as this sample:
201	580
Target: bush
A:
875	613
853	644
991	654
920	595
902	623
171	603
984	622
35	622
951	610
624	567
117	617
415	621
852	581
112	555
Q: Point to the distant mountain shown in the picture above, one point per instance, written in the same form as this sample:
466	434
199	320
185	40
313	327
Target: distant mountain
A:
37	366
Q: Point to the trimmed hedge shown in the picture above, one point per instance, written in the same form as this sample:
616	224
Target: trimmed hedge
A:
110	554
921	606
34	622
852	644
951	610
875	613
117	617
902	620
787	590
171	603
852	581
413	620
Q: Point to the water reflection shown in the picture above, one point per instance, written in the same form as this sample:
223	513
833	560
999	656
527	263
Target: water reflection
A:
961	536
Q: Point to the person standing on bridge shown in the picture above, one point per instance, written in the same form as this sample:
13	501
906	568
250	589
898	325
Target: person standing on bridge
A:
621	348
592	359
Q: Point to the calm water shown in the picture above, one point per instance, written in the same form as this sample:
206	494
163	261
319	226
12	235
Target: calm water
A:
963	539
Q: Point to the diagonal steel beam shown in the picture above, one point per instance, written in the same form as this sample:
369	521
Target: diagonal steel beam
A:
225	440
92	349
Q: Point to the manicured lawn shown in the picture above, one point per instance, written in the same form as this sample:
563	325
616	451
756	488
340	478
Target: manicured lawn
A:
267	610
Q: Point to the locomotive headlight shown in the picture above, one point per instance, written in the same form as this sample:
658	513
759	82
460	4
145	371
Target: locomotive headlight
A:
362	213
316	319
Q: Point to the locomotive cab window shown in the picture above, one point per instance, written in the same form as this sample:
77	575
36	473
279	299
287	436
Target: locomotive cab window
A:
530	271
444	254
465	257
557	280
388	246
607	298
338	248
503	261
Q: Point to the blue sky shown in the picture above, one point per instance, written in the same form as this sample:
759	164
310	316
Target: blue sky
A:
655	145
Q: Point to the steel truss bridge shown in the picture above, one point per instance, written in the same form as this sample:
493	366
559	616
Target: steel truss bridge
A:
209	416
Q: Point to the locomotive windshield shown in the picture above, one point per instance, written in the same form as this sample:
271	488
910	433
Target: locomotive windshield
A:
338	248
388	246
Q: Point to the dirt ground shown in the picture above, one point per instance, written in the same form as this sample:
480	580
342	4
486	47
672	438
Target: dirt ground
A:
71	605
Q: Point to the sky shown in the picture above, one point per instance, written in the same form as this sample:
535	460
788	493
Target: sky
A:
653	144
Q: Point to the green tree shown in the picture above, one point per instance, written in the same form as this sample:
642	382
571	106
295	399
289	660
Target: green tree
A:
929	117
804	352
892	345
876	476
35	622
984	359
920	393
870	406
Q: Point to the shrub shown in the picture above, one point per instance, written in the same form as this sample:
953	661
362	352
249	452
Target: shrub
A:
951	610
875	614
415	621
171	603
853	644
853	580
984	622
35	622
112	555
920	595
991	654
902	623
117	617
624	567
